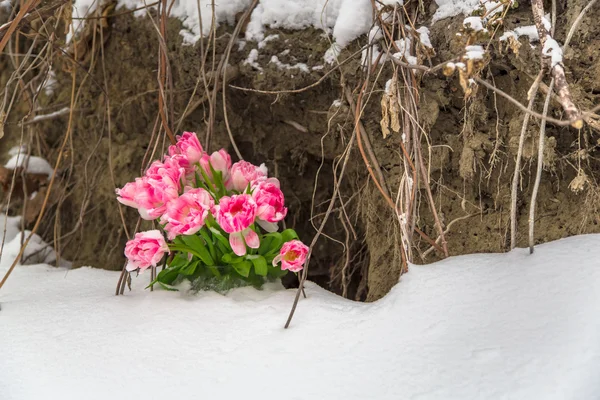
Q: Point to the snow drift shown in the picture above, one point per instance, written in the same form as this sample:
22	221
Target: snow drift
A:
495	326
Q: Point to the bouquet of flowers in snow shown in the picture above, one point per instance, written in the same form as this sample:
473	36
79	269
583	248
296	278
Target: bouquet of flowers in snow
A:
218	221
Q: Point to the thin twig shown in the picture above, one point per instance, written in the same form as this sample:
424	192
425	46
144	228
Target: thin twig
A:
521	106
234	36
321	227
45	203
517	174
538	175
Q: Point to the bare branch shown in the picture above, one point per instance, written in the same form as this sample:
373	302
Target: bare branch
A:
557	71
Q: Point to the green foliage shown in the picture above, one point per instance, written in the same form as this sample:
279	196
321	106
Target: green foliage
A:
208	262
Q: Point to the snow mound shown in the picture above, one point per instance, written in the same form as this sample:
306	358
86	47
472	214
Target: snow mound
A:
32	164
37	251
488	326
5	5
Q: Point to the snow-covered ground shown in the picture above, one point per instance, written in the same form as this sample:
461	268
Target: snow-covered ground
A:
496	326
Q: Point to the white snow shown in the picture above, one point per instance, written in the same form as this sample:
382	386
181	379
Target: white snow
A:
12	226
37	251
474	23
5	5
546	22
375	34
301	66
487	326
188	12
81	9
355	18
32	164
49	84
528	30
22	149
345	20
266	40
493	7
553	50
375	55
388	87
332	53
424	37
475	52
251	60
404	46
450	8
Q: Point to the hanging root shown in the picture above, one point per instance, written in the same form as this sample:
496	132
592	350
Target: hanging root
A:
540	165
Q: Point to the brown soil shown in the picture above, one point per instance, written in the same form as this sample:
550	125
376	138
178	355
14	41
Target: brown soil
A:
471	158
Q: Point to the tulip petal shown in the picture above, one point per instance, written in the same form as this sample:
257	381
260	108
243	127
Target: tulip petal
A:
251	238
268	226
277	260
144	214
237	243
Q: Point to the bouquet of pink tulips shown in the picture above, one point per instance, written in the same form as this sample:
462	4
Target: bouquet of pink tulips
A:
219	221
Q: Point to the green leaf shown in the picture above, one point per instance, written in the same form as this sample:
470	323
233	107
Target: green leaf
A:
168	287
276	272
167	276
276	242
197	244
218	179
222	249
289	234
220	237
179	261
243	268
189	269
214	271
207	238
207	180
231	258
265	244
260	265
178	241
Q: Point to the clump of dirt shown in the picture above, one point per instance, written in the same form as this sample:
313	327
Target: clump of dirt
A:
302	135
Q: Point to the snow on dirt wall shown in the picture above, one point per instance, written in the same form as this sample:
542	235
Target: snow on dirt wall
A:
345	20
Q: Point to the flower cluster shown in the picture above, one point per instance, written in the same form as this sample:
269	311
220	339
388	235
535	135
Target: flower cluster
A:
220	220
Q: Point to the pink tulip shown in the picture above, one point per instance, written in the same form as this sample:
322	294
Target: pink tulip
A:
270	204
235	215
169	172
189	146
185	215
182	162
220	161
126	195
148	196
292	256
145	250
243	174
